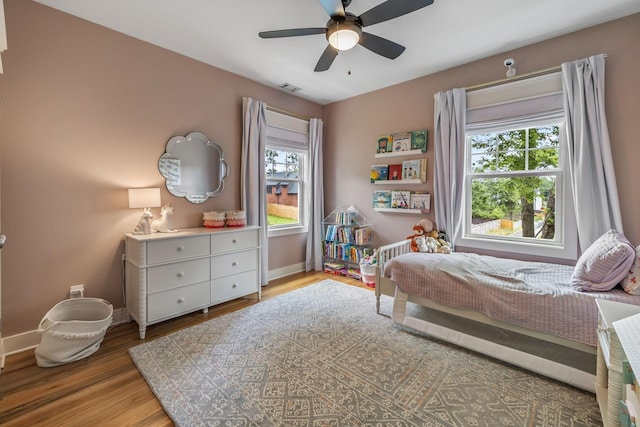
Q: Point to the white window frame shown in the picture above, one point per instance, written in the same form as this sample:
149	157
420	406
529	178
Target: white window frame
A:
565	243
287	133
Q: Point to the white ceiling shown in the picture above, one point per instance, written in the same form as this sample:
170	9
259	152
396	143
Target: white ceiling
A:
446	34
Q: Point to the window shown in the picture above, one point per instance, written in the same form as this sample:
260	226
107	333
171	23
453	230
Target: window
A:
286	153
516	195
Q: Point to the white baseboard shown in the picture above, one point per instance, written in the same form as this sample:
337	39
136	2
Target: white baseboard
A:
30	340
286	271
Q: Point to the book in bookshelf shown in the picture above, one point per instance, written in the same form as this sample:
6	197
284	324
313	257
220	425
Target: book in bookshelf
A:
401	141
423	170
384	144
400	199
411	169
395	172
420	201
379	172
381	199
419	140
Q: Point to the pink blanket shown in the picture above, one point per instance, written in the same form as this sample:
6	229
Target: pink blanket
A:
533	295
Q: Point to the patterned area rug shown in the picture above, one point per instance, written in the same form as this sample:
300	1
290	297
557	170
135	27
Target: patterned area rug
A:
320	356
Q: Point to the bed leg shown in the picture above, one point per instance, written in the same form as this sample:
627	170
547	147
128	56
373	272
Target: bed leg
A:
377	303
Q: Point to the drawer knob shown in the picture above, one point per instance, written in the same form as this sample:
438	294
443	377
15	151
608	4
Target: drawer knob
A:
234	241
180	300
180	248
181	274
234	263
235	285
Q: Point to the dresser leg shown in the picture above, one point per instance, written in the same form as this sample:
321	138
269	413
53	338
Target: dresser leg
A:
143	332
205	310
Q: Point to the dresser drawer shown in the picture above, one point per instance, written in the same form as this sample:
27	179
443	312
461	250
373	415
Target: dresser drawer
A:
237	262
176	249
169	276
177	301
237	285
234	241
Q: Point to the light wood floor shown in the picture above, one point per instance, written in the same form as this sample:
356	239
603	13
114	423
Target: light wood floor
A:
106	389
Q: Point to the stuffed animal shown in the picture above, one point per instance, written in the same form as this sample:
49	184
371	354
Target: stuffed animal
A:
420	243
422	228
418	231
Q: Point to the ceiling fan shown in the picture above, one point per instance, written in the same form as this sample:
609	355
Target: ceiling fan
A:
344	29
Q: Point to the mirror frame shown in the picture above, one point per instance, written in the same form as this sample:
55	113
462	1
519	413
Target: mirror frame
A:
193	159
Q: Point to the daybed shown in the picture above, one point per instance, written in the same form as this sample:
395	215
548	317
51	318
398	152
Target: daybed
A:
507	309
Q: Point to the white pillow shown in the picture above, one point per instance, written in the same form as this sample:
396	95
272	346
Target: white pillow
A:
631	283
604	264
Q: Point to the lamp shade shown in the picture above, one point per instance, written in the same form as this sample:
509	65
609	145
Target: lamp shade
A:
344	35
144	197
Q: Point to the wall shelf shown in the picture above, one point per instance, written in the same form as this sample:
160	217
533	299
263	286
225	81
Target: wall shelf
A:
403	211
400	153
398	181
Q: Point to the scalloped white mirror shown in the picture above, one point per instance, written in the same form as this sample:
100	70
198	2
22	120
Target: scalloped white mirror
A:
193	167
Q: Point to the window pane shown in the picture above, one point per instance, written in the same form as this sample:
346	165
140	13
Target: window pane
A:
514	207
282	169
516	150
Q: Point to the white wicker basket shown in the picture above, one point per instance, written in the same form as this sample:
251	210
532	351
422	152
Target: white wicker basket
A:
73	329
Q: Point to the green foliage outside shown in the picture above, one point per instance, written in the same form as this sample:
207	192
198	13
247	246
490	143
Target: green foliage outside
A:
518	152
278	220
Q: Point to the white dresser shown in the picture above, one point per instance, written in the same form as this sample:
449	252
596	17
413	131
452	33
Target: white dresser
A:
616	342
170	274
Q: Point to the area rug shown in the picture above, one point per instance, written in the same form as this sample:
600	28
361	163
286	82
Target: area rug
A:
321	356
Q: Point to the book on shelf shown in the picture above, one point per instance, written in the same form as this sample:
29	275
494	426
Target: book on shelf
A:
346	218
419	140
415	169
395	172
420	201
363	236
384	144
411	169
379	172
381	199
400	199
401	141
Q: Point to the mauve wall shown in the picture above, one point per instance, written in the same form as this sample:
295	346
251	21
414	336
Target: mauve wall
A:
352	126
85	113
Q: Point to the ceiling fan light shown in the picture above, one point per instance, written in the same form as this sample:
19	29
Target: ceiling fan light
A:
344	39
344	35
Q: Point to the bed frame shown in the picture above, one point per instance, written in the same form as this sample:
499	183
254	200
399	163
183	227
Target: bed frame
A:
401	316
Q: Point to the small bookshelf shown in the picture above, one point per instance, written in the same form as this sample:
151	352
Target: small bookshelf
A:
347	239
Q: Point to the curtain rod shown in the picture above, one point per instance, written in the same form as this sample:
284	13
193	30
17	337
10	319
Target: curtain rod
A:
516	78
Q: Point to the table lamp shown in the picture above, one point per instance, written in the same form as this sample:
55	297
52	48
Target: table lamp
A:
145	198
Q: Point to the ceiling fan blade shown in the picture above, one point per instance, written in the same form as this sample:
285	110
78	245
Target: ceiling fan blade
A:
293	32
391	9
326	59
333	7
381	46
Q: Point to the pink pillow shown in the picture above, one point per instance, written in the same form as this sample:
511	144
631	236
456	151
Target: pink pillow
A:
631	283
604	264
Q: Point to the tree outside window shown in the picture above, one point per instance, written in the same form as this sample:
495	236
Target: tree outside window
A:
514	176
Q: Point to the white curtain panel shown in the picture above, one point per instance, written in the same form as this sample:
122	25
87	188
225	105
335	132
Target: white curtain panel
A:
449	141
593	180
3	33
315	195
252	178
